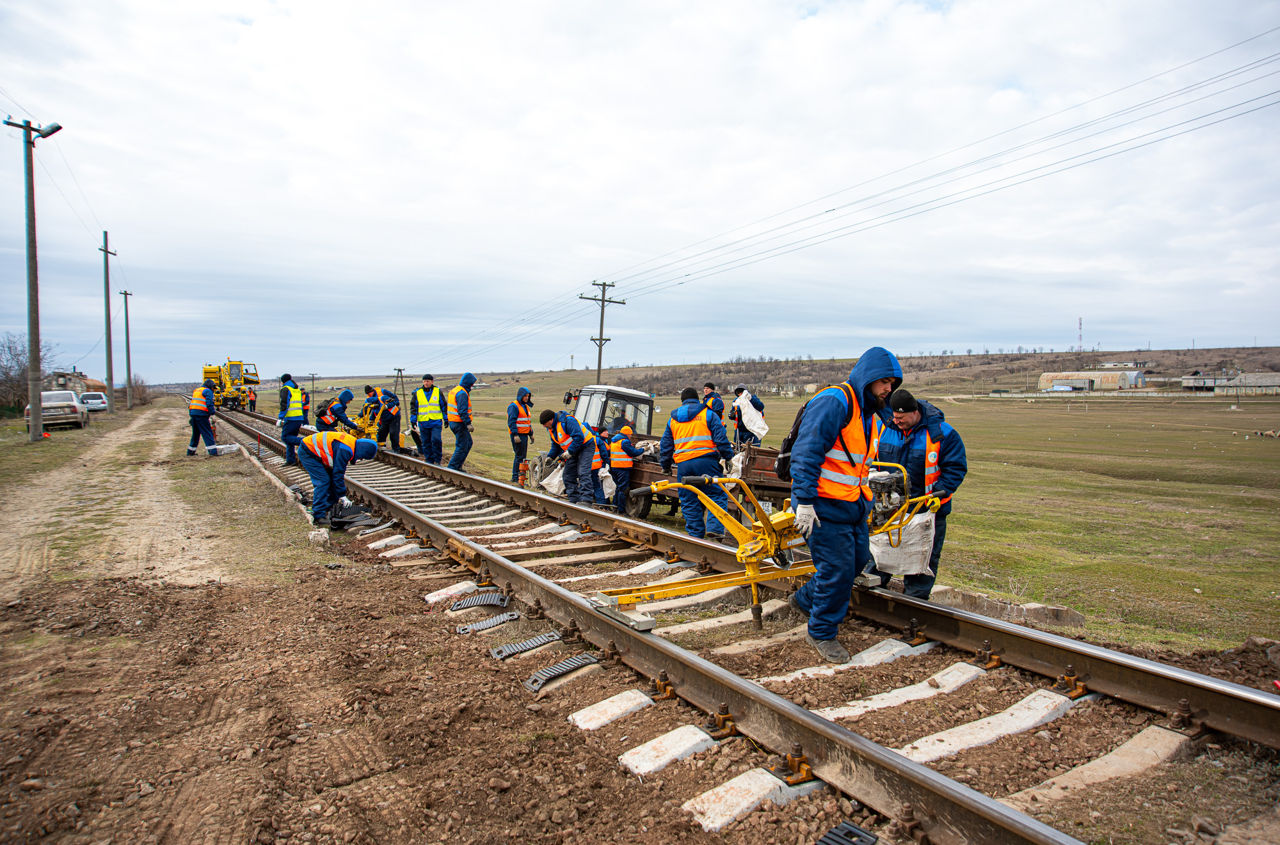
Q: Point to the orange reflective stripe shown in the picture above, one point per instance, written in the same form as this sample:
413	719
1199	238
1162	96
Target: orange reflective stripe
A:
198	402
321	445
618	456
841	479
693	438
454	415
523	425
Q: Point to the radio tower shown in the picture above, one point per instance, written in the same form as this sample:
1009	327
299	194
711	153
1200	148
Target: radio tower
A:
1080	334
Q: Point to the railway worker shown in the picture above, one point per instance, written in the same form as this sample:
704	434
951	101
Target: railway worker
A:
743	436
520	425
712	400
253	399
459	409
695	439
917	437
830	462
201	410
306	405
333	412
573	443
622	456
600	461
388	415
426	409
290	418
325	456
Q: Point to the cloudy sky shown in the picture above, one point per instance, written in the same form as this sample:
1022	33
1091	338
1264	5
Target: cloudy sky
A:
347	188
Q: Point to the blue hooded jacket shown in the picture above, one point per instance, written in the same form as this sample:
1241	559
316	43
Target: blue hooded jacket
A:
907	448
207	390
464	398
525	397
342	455
339	409
571	427
689	409
824	417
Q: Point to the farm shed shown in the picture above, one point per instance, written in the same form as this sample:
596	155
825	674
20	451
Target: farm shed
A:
1095	379
1250	384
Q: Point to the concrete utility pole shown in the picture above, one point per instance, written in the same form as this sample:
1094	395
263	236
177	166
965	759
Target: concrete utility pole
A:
29	135
313	383
106	298
601	340
128	364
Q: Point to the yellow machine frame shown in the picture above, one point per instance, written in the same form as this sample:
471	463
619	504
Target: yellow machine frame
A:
758	541
367	426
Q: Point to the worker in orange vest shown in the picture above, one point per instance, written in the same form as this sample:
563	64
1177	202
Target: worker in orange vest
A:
520	424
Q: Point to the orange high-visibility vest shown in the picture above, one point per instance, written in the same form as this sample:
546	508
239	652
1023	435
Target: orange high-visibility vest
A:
692	438
597	460
523	425
198	402
618	456
841	479
454	416
565	439
321	445
932	471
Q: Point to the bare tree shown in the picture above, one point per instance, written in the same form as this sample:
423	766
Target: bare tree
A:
13	371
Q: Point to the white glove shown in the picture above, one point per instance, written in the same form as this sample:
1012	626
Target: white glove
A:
345	502
806	520
279	423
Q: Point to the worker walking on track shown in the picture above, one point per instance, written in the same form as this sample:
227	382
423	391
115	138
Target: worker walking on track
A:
743	436
334	411
290	418
622	456
575	444
917	437
201	410
830	463
520	425
388	415
325	456
696	441
426	409
459	408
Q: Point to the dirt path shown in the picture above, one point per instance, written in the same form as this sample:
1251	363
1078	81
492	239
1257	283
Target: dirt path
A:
112	512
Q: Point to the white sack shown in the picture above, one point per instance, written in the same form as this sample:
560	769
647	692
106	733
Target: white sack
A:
736	465
607	484
554	483
750	417
911	556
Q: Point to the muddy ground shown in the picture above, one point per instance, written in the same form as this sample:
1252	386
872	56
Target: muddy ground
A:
192	670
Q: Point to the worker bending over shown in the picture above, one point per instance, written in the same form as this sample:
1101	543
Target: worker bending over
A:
917	437
459	405
696	441
520	426
388	415
201	409
334	411
325	456
830	493
426	409
290	418
575	445
622	456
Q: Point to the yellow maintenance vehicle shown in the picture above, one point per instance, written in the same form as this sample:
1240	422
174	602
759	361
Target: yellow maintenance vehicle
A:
231	382
766	537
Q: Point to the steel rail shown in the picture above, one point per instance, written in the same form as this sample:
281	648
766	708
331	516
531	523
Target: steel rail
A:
1209	702
948	812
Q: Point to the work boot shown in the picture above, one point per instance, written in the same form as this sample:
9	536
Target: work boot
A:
191	453
830	650
320	521
794	603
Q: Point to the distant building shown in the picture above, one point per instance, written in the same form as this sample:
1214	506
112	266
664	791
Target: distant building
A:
1250	384
74	381
1203	382
1124	365
1091	380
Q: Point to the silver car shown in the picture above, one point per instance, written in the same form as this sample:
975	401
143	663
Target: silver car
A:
59	407
94	401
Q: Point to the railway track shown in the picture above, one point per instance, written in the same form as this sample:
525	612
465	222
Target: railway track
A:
527	563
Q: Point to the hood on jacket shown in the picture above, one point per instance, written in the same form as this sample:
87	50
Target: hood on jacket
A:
208	383
523	395
467	380
689	409
874	364
345	396
365	449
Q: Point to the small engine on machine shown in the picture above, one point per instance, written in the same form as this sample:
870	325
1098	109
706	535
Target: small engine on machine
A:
889	493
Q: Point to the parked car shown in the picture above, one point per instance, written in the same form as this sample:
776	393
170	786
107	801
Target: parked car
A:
94	401
59	407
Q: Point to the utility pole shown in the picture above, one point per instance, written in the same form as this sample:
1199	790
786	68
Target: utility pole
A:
128	364
313	383
400	388
601	340
106	298
29	135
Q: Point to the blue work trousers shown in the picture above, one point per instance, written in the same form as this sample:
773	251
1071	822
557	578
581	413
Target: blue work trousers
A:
292	440
621	478
461	445
519	446
698	521
200	429
840	551
430	445
577	477
322	487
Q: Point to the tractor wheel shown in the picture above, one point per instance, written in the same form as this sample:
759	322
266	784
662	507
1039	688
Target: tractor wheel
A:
638	506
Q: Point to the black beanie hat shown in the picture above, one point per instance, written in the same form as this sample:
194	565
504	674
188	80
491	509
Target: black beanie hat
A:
710	385
428	376
368	389
546	416
903	401
285	377
687	394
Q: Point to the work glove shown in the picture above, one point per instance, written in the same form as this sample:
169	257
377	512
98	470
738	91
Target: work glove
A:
279	423
806	520
471	428
345	502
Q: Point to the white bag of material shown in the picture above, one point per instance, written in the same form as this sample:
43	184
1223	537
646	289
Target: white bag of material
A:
554	483
911	555
736	465
607	484
751	418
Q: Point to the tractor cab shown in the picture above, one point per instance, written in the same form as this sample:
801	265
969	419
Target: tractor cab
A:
598	405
